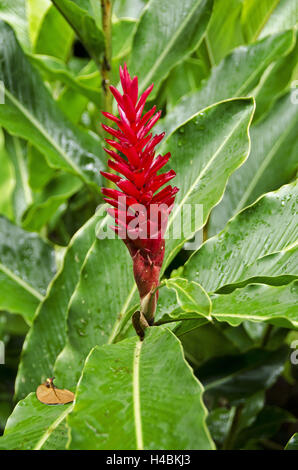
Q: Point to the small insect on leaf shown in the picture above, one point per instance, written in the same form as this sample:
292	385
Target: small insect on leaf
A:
48	394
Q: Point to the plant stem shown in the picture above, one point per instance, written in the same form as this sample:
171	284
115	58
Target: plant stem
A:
106	9
229	442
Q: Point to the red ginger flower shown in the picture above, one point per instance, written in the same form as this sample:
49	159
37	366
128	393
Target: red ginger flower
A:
140	210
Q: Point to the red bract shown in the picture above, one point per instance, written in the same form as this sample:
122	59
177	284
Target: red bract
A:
140	207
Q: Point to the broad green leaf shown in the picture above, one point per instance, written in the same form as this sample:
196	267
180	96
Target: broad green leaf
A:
275	82
284	16
236	75
267	424
27	265
266	168
185	78
293	443
50	33
128	8
258	302
39	172
14	13
22	194
52	69
33	426
49	200
268	226
255	15
47	336
65	146
166	34
205	151
190	296
122	36
80	16
224	30
125	405
6	181
205	342
240	376
99	305
219	423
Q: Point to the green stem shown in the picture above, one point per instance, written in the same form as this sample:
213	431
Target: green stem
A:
230	439
106	9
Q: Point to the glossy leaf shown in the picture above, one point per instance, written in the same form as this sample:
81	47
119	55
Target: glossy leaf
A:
114	409
27	265
14	13
33	425
205	151
47	337
242	70
79	15
22	193
99	305
224	32
237	377
166	34
65	146
266	169
49	200
284	16
53	69
258	302
255	15
50	33
190	296
293	443
268	226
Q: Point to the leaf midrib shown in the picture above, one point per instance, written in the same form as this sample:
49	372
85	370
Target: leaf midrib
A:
136	395
21	282
263	166
169	45
42	131
196	181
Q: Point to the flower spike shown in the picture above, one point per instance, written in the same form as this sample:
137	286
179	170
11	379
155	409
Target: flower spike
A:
141	206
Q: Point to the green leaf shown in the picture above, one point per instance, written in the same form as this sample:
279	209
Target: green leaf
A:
80	16
293	443
50	33
236	75
268	226
205	151
47	336
99	305
266	425
125	405
224	30
14	13
52	69
33	425
238	377
27	265
190	296
275	82
22	194
266	169
65	146
39	172
258	302
255	15
122	36
284	16
128	8
6	181
166	34
49	200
